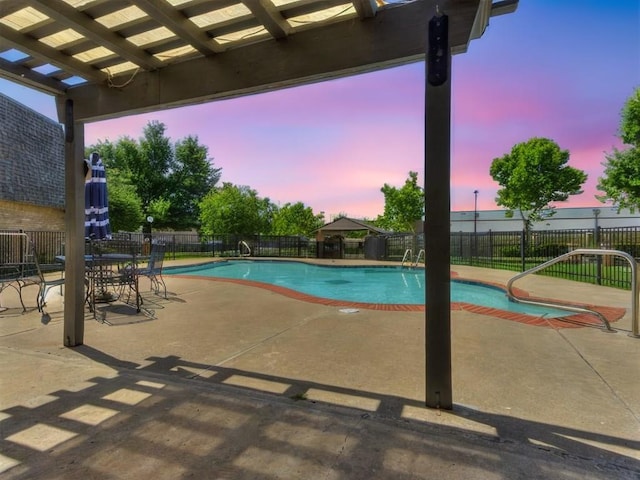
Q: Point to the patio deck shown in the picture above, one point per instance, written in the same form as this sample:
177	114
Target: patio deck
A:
229	381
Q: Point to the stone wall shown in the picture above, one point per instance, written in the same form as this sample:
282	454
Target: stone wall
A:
32	192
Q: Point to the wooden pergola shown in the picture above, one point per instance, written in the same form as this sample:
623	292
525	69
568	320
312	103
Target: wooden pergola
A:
109	58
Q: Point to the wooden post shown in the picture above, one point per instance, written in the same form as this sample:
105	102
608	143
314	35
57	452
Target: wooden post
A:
437	222
74	225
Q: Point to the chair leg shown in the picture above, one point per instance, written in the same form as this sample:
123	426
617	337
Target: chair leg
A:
156	282
164	285
40	299
24	309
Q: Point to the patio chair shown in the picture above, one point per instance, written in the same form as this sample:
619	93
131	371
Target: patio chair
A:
46	282
18	267
153	270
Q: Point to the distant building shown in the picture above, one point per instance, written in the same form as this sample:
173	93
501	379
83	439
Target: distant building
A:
563	219
32	191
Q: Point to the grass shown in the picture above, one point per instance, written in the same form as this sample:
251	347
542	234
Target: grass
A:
618	276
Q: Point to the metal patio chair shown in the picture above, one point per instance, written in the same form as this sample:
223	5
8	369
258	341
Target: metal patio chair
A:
153	270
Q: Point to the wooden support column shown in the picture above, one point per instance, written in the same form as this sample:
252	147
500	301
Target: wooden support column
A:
437	223
74	229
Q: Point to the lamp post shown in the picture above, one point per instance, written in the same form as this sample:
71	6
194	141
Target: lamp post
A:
475	224
475	212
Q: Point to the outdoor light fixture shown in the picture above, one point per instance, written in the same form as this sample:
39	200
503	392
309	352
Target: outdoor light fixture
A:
475	211
437	54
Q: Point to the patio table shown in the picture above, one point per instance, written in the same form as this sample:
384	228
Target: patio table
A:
100	275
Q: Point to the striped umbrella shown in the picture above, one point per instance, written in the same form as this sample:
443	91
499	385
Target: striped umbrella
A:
96	201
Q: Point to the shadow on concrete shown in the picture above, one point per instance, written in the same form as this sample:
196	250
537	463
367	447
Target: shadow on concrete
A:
176	419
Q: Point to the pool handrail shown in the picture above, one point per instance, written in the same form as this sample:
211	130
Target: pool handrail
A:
407	258
408	253
244	244
585	251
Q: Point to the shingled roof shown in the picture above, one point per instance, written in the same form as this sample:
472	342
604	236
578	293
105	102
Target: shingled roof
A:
344	224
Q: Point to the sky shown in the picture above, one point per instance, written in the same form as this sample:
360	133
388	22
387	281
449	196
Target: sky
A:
556	69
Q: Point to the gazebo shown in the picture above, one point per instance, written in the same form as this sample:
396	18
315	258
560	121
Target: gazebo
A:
106	59
330	235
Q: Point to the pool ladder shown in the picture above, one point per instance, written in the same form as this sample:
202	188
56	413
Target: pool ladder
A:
407	258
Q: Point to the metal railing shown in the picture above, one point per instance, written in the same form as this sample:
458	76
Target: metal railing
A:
247	249
584	251
407	257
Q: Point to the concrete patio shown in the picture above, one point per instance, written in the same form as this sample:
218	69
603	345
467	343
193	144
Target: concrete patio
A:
235	382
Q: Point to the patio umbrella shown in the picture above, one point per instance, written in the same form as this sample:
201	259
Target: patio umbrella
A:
96	201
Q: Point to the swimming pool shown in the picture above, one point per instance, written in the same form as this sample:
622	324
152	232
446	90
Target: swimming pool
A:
360	284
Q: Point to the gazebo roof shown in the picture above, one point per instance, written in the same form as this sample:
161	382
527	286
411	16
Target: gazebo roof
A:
344	224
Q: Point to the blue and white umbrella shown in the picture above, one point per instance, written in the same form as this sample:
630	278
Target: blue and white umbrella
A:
96	201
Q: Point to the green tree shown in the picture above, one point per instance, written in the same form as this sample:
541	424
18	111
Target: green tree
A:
125	211
295	219
190	180
403	207
169	182
236	210
151	168
534	175
630	121
621	180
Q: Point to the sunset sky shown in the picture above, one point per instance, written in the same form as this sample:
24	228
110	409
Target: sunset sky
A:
555	69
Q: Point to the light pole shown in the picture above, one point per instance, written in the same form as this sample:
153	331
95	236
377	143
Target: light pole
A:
475	212
475	224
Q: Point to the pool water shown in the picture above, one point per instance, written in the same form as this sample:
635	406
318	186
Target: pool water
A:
385	285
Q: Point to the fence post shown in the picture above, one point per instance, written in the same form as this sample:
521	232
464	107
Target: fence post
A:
596	241
523	247
491	247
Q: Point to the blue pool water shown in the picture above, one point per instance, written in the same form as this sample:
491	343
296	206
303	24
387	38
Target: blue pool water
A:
386	285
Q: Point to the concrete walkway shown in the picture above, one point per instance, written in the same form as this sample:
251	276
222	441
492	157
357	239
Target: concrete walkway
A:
235	382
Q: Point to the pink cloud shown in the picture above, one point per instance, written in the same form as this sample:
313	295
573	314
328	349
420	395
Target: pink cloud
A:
333	145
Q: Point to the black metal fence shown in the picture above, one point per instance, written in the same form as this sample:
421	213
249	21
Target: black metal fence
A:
515	251
520	251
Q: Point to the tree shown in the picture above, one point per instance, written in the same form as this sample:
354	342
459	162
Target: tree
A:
235	209
169	181
403	207
151	168
621	180
295	219
125	211
191	179
533	176
630	122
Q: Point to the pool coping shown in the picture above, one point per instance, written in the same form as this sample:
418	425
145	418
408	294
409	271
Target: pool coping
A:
576	320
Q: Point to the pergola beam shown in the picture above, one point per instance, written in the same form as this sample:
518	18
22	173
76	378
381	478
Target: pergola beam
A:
270	17
96	32
47	54
180	25
22	74
395	36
